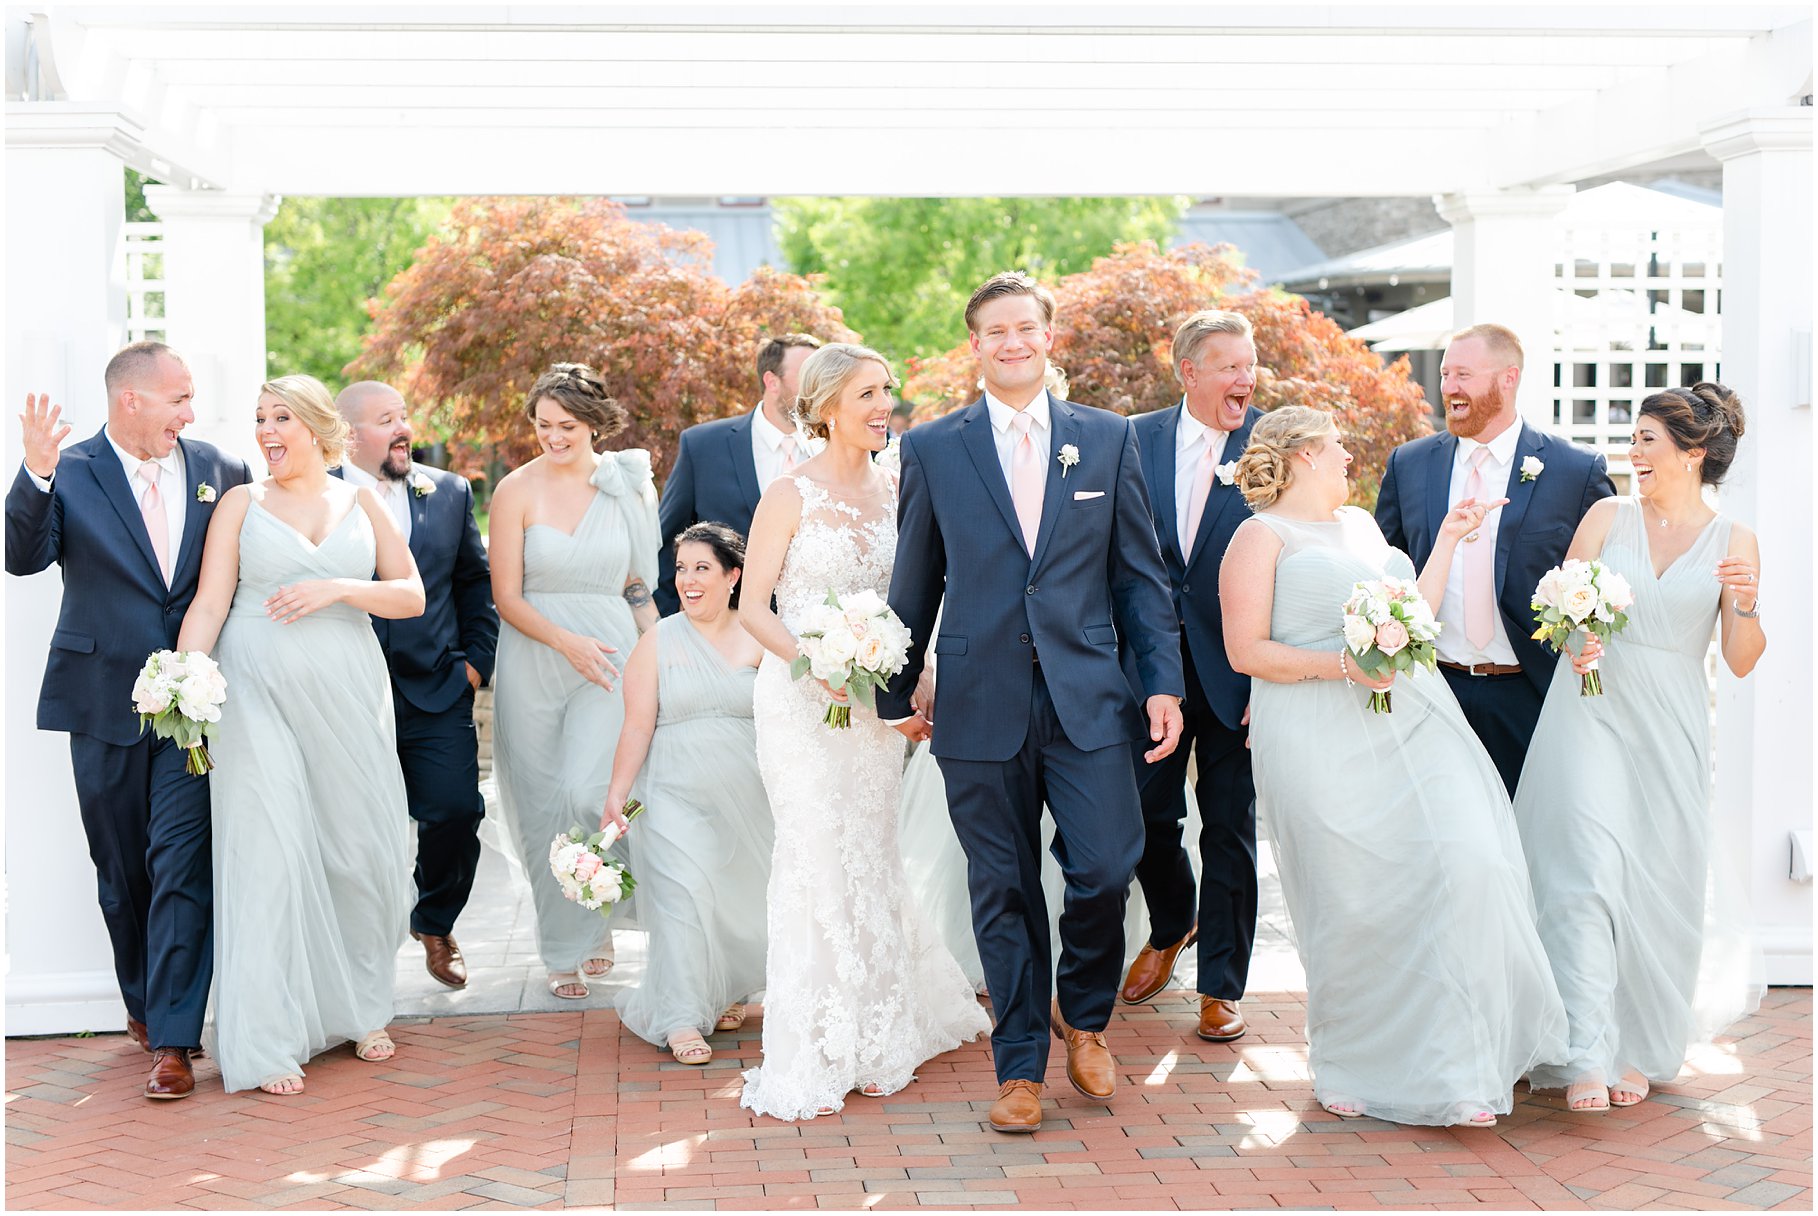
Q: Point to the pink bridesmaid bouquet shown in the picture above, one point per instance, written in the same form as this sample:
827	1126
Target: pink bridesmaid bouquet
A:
1578	595
578	863
1388	627
179	694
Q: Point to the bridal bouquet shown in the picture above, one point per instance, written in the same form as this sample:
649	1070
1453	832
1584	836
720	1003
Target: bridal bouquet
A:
1579	595
854	644
179	694
587	876
1388	627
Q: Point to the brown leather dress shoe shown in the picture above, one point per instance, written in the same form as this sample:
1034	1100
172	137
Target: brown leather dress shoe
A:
1089	1064
139	1034
443	958
1220	1021
1151	970
171	1074
1018	1107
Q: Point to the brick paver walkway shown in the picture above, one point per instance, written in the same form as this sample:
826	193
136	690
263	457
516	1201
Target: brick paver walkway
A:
567	1109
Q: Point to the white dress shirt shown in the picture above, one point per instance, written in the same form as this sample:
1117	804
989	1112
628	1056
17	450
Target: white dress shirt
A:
769	443
172	488
1191	438
394	494
1453	645
1005	437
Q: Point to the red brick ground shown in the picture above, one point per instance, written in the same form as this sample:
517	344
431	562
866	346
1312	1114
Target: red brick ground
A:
568	1110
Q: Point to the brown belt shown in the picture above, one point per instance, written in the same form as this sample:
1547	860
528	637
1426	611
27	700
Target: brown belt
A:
1484	669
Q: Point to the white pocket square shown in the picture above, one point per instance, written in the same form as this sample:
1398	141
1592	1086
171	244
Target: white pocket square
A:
1082	494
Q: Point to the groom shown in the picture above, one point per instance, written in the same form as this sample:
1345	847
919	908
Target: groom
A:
1028	515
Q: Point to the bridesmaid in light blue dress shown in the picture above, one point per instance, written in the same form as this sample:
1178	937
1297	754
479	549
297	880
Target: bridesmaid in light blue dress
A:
312	868
1645	934
573	546
1428	994
701	849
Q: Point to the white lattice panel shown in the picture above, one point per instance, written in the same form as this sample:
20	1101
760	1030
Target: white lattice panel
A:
144	282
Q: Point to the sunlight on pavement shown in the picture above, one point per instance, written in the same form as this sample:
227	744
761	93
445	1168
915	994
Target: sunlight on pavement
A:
1162	1070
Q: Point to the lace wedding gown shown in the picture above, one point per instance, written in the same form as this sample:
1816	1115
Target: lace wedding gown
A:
859	990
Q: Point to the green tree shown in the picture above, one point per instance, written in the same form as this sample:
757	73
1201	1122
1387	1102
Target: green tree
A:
136	210
901	269
325	260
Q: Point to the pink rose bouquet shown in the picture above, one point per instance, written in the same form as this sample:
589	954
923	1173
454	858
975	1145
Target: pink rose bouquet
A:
587	876
1388	627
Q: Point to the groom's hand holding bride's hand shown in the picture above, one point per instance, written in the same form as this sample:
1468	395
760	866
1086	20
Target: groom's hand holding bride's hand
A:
1164	727
915	729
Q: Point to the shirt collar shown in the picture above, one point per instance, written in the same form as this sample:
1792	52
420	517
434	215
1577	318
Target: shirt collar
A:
131	463
1191	429
772	436
1502	448
357	476
1001	414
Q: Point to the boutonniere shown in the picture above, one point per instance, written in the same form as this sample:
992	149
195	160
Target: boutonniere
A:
1227	473
204	492
1068	457
421	486
1532	467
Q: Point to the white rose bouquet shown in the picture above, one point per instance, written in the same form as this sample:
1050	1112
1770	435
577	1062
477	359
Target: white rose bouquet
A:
578	862
1578	595
854	644
1388	627
179	694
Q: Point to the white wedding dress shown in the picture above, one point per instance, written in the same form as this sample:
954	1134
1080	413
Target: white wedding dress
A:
858	989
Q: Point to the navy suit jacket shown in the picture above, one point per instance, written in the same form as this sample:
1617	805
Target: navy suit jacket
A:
116	609
1095	584
1534	533
428	654
714	478
1195	580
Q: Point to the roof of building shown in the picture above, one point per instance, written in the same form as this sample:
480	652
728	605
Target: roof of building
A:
1272	243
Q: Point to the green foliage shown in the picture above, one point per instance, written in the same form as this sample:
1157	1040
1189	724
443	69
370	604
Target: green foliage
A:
325	260
136	210
901	269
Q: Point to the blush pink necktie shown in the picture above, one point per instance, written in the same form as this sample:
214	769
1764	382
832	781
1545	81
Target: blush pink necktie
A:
1026	481
1479	567
1196	497
788	456
157	524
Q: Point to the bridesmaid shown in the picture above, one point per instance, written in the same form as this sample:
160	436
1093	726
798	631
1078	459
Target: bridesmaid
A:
574	550
1614	802
701	851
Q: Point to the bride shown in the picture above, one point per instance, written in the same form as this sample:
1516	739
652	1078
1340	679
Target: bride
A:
859	990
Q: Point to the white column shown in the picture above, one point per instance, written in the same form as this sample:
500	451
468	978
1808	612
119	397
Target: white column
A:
66	300
1764	723
214	303
1505	245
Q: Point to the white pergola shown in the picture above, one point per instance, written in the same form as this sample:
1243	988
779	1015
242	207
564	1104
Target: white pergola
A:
1497	110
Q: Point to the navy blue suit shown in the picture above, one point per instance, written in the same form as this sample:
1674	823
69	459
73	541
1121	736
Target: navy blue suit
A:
146	818
1533	535
431	698
714	478
1213	723
1032	704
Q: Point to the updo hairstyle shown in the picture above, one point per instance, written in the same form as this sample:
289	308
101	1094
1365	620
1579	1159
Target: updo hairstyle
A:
823	377
578	389
1707	416
727	545
308	400
1264	470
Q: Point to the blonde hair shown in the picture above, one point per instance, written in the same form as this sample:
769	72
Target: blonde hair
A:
1194	331
308	398
823	377
1054	379
1264	470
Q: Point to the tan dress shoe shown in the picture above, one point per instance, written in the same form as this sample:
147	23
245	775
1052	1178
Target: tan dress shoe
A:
1089	1064
171	1074
443	958
1151	970
1018	1107
1220	1021
139	1034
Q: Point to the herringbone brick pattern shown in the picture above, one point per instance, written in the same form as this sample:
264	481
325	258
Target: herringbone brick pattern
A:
568	1110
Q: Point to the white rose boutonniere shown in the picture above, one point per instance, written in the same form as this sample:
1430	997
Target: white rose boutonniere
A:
204	492
421	486
1227	473
1532	467
1068	457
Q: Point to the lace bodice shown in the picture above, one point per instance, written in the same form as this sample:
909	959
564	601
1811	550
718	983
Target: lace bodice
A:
842	545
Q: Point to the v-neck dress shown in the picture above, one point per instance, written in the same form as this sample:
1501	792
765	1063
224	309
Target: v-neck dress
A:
1614	808
311	827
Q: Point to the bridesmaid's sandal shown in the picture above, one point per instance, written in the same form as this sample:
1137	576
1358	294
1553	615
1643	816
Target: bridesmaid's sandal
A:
1632	1090
732	1019
690	1048
562	984
596	966
376	1047
1480	1118
1344	1108
1587	1095
284	1086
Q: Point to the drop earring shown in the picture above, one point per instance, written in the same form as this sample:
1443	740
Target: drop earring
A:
1688	466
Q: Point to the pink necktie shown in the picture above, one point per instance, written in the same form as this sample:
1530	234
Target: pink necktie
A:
1196	498
1479	567
789	455
1026	481
151	506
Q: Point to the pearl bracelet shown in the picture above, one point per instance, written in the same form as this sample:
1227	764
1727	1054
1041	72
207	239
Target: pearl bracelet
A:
1344	670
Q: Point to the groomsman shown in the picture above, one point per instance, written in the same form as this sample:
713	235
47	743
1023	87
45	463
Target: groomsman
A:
1196	509
124	514
722	467
1498	673
438	661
